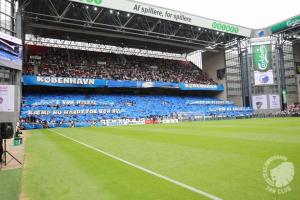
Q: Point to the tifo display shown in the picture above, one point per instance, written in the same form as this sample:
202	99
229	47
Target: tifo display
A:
43	111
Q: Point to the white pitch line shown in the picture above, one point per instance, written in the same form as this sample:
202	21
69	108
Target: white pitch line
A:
210	196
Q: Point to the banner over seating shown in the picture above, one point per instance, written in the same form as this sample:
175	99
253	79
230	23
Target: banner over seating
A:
186	86
98	83
63	81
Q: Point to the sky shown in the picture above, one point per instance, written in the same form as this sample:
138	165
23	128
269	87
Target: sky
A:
249	13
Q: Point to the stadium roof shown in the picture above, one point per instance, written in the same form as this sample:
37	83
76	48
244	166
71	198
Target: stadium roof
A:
290	28
127	23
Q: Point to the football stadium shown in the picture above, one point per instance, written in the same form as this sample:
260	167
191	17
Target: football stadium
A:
124	100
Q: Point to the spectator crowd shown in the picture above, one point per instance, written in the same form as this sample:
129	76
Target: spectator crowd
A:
292	110
58	62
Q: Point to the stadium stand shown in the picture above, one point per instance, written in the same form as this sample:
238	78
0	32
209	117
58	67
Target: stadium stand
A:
53	110
77	110
292	110
58	62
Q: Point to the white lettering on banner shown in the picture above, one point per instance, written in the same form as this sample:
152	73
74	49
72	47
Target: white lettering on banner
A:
227	109
75	112
68	102
57	112
71	102
85	102
66	81
61	80
72	80
39	79
209	102
39	112
201	86
119	122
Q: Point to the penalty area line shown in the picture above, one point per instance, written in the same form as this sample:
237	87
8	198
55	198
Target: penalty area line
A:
183	185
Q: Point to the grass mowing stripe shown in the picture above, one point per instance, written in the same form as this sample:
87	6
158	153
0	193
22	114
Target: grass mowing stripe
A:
210	196
10	184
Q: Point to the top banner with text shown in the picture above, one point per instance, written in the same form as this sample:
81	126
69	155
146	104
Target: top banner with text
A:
100	83
168	14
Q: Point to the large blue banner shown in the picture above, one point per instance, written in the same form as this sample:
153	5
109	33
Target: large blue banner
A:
96	83
121	84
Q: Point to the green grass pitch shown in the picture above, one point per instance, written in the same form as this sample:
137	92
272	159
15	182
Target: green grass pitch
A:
222	158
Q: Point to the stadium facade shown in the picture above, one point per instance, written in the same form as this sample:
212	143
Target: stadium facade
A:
252	68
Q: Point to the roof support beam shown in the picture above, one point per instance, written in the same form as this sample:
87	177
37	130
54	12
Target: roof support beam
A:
136	37
65	11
